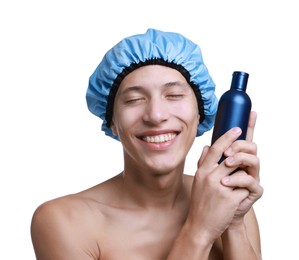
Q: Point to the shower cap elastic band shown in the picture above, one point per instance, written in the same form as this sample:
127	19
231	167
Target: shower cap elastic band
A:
154	47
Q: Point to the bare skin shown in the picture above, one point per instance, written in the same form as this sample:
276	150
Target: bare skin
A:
152	210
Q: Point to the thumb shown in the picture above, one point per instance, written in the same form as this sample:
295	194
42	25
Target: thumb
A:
204	153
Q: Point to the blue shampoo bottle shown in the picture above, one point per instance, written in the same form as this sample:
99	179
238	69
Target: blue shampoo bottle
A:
234	108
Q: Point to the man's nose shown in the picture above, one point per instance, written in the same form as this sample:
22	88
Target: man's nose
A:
156	111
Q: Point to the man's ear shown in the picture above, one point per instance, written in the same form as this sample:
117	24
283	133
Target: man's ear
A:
113	128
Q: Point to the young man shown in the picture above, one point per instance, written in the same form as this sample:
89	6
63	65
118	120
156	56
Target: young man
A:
155	95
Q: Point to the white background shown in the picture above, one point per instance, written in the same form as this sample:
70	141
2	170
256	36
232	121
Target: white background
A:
51	145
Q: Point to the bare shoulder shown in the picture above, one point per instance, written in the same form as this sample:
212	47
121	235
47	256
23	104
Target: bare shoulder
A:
70	208
66	209
78	206
68	222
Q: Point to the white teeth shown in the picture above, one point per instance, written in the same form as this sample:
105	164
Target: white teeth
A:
159	138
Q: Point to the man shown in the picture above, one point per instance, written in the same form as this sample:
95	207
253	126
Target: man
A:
155	95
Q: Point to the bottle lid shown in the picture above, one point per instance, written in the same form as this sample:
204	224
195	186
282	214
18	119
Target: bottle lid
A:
239	80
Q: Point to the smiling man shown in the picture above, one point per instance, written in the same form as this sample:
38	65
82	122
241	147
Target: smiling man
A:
155	95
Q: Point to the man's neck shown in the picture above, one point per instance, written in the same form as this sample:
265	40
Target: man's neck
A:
154	190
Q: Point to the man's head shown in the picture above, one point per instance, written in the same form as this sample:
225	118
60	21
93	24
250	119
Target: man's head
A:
152	48
155	116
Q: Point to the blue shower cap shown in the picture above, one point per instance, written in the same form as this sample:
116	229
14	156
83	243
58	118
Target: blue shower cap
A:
154	47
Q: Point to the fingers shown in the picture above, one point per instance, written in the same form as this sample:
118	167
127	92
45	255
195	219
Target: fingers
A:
241	146
251	126
243	154
223	143
241	180
250	163
240	183
240	154
203	155
217	149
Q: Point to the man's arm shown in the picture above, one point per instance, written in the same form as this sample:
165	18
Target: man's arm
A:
190	245
242	241
212	207
221	203
242	237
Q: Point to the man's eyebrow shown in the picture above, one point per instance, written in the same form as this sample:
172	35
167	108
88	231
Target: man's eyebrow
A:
138	88
130	89
175	83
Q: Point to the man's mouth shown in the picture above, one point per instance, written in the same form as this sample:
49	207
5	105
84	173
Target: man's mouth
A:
159	138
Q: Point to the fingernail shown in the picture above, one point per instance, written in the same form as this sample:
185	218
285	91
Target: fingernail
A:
230	159
237	130
225	180
228	151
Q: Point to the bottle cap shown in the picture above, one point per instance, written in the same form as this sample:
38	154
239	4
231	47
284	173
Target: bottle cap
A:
239	80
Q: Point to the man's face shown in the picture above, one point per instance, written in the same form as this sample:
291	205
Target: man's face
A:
155	117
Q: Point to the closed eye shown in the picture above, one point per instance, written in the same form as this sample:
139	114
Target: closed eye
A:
134	100
175	96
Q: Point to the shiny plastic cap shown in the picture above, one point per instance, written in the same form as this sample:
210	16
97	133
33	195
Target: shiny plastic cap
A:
142	49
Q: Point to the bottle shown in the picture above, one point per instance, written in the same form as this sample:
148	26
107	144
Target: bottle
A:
233	108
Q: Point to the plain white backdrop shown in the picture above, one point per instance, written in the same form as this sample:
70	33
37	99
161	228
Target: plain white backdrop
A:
51	145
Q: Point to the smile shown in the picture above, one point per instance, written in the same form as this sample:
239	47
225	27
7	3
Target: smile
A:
159	138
